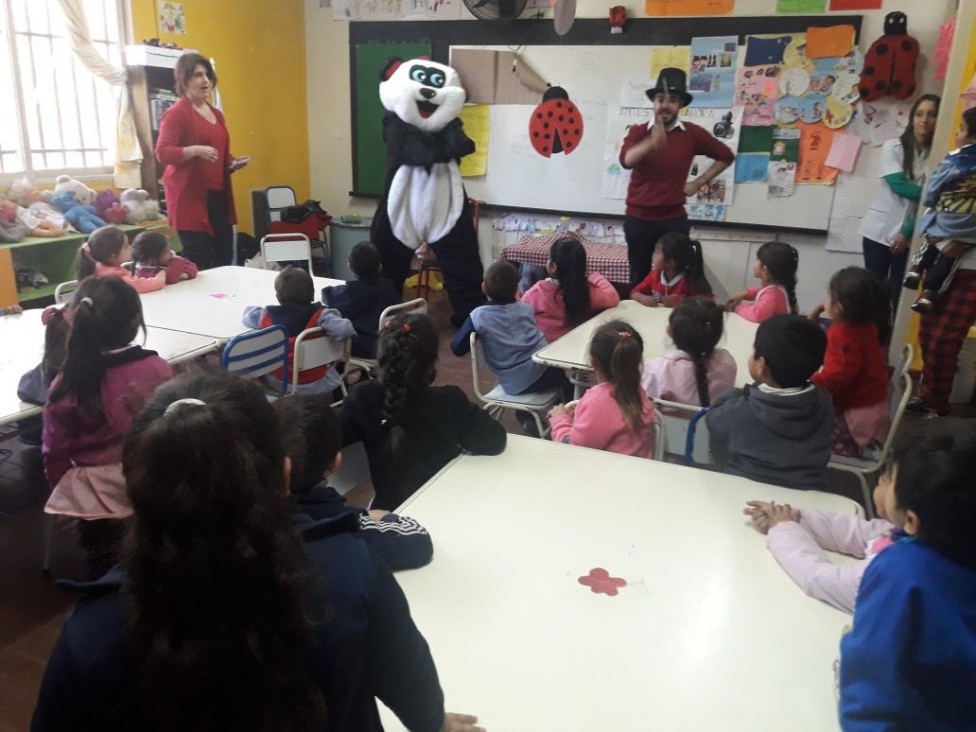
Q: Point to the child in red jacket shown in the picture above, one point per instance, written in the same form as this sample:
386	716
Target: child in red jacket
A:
677	272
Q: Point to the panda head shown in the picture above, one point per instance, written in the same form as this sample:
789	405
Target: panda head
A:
422	93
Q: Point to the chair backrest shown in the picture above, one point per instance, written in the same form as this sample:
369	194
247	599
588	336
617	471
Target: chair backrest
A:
903	365
685	432
419	305
477	364
659	444
279	197
314	348
287	248
62	293
257	353
898	397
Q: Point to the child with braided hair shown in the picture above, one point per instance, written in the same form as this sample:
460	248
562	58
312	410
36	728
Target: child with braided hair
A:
411	429
695	371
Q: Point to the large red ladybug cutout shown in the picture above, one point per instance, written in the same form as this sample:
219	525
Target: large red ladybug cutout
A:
556	125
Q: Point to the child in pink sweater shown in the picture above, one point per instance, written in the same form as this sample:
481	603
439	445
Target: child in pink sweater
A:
569	296
104	254
776	265
615	415
152	255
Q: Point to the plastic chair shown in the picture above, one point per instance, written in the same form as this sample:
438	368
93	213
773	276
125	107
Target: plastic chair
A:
495	401
287	248
862	467
281	197
257	353
685	434
418	305
62	293
314	348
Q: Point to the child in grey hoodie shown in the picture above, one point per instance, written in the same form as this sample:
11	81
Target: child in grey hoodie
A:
778	429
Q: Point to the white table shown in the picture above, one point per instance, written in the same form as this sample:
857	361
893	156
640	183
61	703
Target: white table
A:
22	339
710	635
212	304
572	350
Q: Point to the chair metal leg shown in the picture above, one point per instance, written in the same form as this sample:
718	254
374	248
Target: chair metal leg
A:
49	544
867	495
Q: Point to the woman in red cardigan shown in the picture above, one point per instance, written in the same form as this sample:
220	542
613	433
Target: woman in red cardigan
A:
195	148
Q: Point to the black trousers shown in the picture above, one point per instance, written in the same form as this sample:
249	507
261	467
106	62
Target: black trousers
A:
211	250
642	236
889	267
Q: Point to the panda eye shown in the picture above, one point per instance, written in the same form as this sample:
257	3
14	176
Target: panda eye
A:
437	79
419	74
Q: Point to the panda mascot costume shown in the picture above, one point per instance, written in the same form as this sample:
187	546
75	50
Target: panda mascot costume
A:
424	203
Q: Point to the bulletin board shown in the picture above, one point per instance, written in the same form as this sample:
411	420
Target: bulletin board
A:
590	64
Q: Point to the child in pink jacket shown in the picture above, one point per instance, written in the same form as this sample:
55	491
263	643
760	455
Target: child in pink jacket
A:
615	415
776	265
151	253
569	296
104	254
799	537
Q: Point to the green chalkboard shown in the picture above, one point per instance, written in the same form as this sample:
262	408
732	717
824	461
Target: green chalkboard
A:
369	157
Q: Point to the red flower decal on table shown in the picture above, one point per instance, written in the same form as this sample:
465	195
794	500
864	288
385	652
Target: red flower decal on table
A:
600	581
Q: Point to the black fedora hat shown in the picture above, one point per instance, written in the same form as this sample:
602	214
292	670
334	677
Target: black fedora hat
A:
671	81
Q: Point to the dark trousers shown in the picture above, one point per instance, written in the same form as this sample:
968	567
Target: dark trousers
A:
889	267
211	250
641	239
102	540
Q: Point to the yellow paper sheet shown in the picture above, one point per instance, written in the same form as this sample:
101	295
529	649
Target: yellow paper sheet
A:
477	126
688	7
676	57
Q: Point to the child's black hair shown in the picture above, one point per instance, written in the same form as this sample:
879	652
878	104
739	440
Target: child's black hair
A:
782	260
969	119
569	258
294	286
934	478
365	260
696	325
148	247
862	298
617	350
103	244
793	348
501	281
310	435
687	254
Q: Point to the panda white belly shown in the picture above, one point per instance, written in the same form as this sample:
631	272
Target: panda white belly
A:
424	206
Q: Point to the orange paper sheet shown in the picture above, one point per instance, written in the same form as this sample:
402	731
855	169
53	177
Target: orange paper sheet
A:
815	142
837	40
688	7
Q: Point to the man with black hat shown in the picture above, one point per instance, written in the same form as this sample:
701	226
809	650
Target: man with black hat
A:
660	156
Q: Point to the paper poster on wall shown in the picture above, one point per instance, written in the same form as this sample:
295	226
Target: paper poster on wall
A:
619	119
757	88
687	7
712	74
724	125
801	6
783	159
836	5
835	40
762	50
633	91
844	149
705	212
752	156
172	18
476	119
431	9
880	121
815	141
675	57
366	9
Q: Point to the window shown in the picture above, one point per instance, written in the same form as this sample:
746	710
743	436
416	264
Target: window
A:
63	118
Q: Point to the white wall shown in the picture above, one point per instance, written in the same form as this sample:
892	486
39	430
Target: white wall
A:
728	253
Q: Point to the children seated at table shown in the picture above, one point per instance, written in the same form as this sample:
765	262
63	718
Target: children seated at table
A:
909	661
411	429
677	272
695	371
616	414
106	250
226	615
778	430
310	435
855	370
508	336
100	388
297	310
363	299
776	265
568	296
152	255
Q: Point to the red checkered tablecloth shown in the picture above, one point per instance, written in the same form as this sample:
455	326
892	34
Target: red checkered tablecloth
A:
608	259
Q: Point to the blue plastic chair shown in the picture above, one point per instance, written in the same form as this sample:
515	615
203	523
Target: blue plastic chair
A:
257	353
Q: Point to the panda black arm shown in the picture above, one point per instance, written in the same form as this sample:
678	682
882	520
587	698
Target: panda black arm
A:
456	143
408	145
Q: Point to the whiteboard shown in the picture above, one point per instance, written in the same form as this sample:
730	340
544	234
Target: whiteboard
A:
519	177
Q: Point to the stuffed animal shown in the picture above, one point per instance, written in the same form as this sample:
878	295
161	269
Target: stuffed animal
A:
84	196
107	206
889	66
81	217
41	218
424	203
139	205
10	229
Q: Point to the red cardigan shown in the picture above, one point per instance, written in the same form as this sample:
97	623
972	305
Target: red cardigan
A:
186	187
855	370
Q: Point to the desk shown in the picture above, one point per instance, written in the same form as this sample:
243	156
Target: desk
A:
212	304
607	258
711	634
572	350
22	337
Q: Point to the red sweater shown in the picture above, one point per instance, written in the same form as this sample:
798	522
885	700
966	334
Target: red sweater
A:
655	285
188	182
855	370
657	183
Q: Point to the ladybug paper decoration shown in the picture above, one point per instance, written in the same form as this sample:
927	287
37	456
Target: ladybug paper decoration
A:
889	67
556	125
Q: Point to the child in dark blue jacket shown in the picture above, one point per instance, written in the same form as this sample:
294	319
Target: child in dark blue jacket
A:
909	663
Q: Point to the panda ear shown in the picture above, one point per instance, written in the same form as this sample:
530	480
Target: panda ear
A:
390	67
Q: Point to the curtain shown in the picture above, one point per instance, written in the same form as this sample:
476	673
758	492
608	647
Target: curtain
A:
128	153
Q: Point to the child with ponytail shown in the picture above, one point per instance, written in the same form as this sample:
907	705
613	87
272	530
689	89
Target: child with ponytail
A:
678	271
776	265
106	250
102	384
569	296
695	371
411	429
616	414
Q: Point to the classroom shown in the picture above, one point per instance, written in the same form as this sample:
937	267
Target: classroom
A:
465	365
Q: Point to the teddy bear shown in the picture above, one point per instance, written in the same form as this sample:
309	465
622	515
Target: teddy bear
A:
108	207
82	217
140	206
